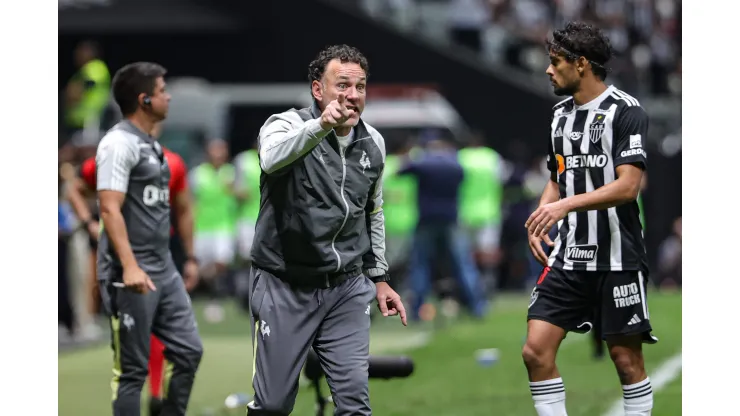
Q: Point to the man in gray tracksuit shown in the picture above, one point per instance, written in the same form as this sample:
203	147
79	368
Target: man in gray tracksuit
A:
140	286
318	253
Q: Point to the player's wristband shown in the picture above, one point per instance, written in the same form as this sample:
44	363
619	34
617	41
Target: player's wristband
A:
382	278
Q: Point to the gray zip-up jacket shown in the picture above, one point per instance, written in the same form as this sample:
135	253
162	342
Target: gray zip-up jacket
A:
321	206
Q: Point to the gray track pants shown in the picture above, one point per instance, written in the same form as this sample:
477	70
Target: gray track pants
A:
287	321
167	314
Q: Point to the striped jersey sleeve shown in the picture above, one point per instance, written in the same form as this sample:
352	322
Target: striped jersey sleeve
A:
116	156
629	136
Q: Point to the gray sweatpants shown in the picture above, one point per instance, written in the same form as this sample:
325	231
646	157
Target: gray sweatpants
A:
165	313
287	321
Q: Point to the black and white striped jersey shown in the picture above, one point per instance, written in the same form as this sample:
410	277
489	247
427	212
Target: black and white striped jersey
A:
587	143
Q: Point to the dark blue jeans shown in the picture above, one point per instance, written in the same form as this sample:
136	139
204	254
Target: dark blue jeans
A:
453	240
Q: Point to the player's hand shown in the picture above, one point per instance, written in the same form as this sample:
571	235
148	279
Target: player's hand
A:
535	245
190	274
335	114
545	217
93	228
137	280
389	302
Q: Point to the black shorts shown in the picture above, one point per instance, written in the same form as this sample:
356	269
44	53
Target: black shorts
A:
574	300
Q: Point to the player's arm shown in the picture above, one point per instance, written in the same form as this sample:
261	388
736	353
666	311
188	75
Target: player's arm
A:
551	193
183	203
115	158
630	160
285	139
77	187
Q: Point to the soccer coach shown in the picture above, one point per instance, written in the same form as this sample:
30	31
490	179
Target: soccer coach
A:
319	247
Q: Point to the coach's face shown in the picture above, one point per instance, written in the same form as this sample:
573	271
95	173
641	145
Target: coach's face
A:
160	100
348	78
564	75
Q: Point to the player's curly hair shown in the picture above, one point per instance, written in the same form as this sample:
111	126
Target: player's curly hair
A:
344	53
132	80
582	39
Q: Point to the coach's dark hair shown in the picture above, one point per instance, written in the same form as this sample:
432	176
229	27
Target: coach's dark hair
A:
582	39
344	53
132	80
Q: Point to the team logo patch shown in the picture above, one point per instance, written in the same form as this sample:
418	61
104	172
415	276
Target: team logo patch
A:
597	128
585	253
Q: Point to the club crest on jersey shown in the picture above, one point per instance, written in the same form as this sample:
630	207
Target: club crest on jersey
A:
585	253
597	128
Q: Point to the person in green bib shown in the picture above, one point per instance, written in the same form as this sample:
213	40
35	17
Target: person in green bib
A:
214	210
401	211
247	191
481	198
88	92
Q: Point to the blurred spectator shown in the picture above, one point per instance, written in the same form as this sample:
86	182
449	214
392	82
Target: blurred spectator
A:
66	315
87	95
481	199
399	208
439	176
247	192
646	34
215	213
467	21
669	258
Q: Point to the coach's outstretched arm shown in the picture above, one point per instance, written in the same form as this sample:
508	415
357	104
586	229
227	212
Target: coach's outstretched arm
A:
115	159
285	137
630	160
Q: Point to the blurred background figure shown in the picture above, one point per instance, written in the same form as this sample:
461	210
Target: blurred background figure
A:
87	95
214	204
481	202
66	314
247	194
399	208
439	176
669	258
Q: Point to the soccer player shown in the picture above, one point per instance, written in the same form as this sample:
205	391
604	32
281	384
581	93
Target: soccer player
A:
319	249
180	200
597	268
140	286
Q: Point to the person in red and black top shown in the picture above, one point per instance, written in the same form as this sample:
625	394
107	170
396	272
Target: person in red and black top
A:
181	248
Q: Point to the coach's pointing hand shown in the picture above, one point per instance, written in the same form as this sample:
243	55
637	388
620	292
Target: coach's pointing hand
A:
335	114
137	280
389	302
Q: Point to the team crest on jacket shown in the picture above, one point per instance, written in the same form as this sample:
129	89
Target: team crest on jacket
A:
597	128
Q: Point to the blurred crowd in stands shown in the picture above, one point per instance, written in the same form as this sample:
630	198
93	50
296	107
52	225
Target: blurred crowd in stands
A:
645	34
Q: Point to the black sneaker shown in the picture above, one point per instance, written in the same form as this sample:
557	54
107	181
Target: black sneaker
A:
155	406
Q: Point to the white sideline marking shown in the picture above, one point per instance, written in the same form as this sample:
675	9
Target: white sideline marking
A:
668	371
